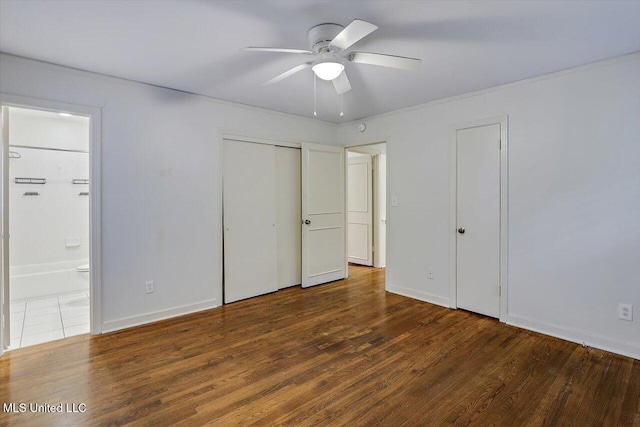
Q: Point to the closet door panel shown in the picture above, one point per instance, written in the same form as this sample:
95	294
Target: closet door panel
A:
250	232
289	216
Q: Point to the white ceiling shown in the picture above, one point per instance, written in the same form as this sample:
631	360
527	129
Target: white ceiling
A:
194	45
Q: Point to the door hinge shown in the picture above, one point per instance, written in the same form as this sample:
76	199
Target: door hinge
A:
500	144
499	291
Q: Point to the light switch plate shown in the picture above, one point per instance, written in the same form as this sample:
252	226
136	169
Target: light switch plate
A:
394	201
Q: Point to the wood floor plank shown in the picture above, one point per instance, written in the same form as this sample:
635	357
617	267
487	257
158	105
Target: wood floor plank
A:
344	353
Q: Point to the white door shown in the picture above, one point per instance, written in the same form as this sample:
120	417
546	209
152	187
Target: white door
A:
478	219
288	215
360	209
250	240
5	334
323	214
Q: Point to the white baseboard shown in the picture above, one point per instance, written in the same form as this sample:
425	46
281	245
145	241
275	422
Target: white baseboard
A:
128	322
625	349
419	295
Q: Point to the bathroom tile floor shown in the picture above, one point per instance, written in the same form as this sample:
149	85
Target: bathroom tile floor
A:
34	321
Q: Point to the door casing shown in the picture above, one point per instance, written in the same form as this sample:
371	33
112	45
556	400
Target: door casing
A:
95	190
369	148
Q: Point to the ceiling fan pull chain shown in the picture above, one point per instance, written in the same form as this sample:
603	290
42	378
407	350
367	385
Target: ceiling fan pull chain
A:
315	101
341	95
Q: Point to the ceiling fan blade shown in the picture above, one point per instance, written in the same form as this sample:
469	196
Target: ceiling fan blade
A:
383	60
277	49
341	83
352	33
288	73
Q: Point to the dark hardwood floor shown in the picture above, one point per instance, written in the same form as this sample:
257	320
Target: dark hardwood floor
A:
345	353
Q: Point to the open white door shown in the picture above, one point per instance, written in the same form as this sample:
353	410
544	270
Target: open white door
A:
323	214
360	209
5	331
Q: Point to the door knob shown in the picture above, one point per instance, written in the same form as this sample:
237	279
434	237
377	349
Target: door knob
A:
307	222
461	230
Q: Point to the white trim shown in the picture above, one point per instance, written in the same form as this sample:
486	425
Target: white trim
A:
419	295
95	194
554	74
453	215
626	349
345	194
155	316
5	57
219	260
5	325
375	182
373	141
362	149
266	141
504	217
504	213
387	214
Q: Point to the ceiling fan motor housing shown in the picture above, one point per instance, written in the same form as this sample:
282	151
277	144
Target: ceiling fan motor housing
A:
321	35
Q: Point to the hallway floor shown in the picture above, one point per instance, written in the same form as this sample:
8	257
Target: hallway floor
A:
39	320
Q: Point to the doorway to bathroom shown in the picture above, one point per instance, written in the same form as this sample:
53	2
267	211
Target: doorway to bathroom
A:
46	225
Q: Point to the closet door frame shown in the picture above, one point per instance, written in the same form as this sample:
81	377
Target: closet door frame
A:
229	135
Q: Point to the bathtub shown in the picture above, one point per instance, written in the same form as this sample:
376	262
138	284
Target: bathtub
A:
41	280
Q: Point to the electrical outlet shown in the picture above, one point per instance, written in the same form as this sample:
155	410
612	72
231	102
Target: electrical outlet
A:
625	312
149	287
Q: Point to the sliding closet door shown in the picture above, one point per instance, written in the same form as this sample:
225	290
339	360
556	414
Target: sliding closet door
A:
249	203
288	206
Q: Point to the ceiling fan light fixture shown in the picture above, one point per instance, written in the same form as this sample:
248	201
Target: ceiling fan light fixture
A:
327	70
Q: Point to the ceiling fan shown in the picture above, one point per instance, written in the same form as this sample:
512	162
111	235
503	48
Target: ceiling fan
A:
328	43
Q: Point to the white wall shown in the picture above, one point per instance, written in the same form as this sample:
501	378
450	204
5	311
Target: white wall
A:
160	183
574	209
574	198
48	129
39	225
